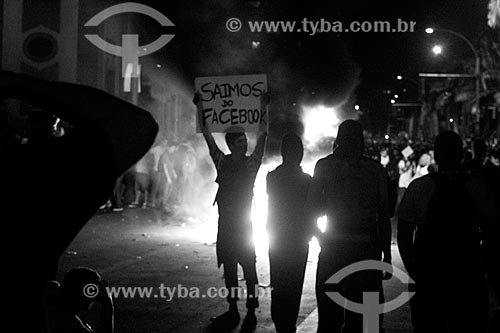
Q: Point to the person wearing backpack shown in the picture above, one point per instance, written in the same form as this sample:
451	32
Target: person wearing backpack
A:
439	242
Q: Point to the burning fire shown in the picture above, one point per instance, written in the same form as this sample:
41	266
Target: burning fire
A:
320	122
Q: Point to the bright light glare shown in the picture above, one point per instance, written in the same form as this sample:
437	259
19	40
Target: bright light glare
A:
396	96
356	107
393	101
429	30
451	120
322	221
259	208
319	122
399	77
437	49
386	137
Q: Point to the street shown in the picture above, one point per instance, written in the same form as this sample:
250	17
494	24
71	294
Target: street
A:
144	248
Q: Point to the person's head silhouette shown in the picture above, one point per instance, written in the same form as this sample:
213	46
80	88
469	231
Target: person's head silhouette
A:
77	287
349	142
236	140
448	150
292	149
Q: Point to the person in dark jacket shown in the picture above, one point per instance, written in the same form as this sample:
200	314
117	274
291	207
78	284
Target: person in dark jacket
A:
289	233
351	190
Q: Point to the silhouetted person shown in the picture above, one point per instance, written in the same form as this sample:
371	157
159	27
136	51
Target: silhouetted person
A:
236	175
439	242
289	233
485	189
52	186
351	190
74	306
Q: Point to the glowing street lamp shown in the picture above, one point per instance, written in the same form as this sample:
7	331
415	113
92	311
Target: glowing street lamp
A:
437	49
356	107
393	101
476	55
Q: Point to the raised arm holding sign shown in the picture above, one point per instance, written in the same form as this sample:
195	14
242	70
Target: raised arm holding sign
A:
229	101
236	175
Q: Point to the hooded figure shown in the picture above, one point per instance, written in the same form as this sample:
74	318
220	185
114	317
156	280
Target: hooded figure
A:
351	190
349	143
289	233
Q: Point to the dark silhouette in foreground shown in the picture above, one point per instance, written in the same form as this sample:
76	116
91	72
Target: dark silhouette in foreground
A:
80	303
289	233
52	186
236	175
352	191
439	242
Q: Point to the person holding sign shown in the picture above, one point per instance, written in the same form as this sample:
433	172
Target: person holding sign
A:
236	174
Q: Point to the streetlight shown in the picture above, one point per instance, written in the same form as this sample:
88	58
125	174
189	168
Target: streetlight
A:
437	49
476	55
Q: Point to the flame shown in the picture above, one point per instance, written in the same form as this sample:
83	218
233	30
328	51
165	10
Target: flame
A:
320	122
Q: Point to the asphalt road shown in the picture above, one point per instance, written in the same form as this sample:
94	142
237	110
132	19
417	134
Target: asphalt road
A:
174	259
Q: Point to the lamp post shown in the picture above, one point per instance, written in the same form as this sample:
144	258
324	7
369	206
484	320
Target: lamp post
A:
413	106
477	66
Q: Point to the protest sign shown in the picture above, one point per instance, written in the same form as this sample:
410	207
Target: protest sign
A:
230	102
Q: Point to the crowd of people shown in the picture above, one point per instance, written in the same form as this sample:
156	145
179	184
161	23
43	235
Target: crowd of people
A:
445	201
162	179
406	160
445	205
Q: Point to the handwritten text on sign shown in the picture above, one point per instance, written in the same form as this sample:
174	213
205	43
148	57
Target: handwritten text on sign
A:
232	101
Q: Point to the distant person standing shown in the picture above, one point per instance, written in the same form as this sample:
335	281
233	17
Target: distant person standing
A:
391	168
158	177
289	233
236	175
142	181
352	191
423	166
439	242
406	170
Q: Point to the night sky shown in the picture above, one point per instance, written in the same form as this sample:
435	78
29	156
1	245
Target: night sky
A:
329	68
